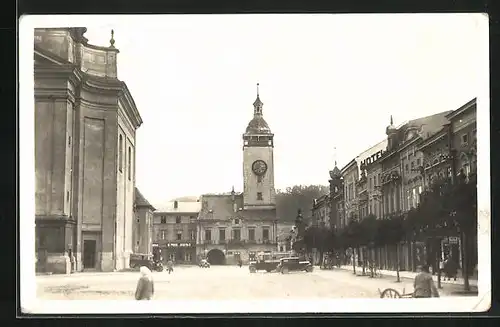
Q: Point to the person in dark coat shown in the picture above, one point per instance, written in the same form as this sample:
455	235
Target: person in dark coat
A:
424	284
145	286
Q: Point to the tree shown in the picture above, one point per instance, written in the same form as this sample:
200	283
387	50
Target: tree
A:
369	231
297	197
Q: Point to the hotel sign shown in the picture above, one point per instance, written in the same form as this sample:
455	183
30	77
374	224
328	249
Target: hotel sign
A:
178	245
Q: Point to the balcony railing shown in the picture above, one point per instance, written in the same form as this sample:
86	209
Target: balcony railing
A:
208	241
222	242
236	241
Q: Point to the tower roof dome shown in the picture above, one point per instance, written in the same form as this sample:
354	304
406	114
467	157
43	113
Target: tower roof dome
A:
391	128
258	126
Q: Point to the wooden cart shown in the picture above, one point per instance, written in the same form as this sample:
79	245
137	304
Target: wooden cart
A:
390	293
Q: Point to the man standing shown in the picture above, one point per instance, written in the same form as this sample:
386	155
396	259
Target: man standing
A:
424	284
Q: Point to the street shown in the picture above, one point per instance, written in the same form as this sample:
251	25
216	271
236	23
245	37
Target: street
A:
222	283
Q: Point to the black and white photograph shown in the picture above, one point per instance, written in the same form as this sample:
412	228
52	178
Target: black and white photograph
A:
254	163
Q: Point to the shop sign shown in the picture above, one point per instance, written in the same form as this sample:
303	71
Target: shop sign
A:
178	245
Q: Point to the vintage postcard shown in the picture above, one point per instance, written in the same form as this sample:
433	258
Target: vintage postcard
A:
254	163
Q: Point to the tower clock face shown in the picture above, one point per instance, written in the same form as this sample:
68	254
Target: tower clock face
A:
259	167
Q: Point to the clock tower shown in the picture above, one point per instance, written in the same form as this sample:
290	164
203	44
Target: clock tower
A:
258	162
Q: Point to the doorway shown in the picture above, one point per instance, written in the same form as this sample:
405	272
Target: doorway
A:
89	254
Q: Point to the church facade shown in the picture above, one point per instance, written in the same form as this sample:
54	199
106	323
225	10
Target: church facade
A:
86	122
236	226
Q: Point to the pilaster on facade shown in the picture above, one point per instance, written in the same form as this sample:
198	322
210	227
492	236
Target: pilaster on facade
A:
76	97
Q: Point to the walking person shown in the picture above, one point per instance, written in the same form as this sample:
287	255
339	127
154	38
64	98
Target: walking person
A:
170	266
424	284
240	263
145	285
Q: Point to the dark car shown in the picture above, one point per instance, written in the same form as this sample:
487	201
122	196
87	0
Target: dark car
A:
204	263
139	259
294	264
264	261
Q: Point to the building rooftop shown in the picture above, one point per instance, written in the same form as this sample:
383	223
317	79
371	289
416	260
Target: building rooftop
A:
140	200
179	207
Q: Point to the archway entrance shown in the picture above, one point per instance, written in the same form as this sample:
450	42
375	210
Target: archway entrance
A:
216	257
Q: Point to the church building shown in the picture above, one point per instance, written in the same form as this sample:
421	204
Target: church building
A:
86	122
236	226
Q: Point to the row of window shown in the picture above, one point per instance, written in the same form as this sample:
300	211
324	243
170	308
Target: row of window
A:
413	166
121	159
236	234
178	219
179	236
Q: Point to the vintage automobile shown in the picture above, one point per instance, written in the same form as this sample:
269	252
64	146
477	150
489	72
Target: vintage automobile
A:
294	264
204	263
139	259
264	261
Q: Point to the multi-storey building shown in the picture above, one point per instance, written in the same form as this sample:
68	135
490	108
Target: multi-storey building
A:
463	129
373	173
236	226
321	211
143	226
86	122
350	176
367	182
337	212
175	230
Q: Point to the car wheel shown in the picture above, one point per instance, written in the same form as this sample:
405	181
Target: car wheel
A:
252	270
284	270
268	270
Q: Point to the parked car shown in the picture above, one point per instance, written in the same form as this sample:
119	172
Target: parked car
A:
294	264
139	259
204	263
264	261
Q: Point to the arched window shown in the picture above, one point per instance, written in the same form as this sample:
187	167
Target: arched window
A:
129	162
120	153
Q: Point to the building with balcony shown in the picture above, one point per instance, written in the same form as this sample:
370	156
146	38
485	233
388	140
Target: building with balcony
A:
350	177
143	225
228	233
235	226
175	228
86	122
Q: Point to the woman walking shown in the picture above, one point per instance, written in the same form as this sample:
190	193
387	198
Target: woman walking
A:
145	286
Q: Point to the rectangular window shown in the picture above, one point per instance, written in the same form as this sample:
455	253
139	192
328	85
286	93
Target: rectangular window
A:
178	219
412	165
120	153
236	221
407	168
163	219
465	138
259	195
418	162
251	234
222	234
370	183
163	234
259	179
265	234
179	235
192	234
129	163
236	234
208	234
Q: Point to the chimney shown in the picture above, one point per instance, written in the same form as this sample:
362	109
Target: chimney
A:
176	204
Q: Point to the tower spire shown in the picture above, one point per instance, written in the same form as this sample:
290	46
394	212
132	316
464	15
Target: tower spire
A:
257	105
112	41
391	120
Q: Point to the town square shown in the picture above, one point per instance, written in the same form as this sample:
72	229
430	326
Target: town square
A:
208	170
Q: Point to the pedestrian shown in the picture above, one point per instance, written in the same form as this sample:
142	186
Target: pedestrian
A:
170	266
145	286
424	284
240	263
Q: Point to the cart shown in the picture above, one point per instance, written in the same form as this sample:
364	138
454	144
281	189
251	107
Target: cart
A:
390	293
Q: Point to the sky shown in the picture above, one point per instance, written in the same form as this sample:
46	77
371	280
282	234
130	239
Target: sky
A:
329	84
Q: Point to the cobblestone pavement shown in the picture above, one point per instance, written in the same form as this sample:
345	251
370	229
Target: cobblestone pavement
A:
222	283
